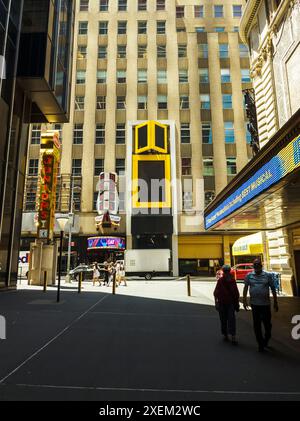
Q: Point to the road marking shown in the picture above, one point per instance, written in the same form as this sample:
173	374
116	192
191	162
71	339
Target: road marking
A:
112	313
51	340
129	389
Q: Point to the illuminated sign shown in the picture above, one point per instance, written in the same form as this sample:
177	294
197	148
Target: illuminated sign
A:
50	156
285	162
108	243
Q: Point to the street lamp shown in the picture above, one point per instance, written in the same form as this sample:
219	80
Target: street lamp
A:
71	219
62	222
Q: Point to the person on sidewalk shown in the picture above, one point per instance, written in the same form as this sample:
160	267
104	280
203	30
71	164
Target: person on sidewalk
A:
260	283
227	297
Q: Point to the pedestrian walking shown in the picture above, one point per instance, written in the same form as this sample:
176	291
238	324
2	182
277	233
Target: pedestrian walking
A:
227	297
260	283
121	276
96	274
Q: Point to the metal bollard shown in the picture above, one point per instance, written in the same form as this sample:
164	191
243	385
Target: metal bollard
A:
45	281
114	284
79	283
188	279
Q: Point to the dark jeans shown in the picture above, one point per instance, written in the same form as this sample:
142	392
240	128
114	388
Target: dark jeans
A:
262	315
227	318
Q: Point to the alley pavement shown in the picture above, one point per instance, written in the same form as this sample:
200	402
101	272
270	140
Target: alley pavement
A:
150	341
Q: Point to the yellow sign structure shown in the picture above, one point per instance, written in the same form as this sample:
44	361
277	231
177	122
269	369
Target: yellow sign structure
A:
151	167
50	157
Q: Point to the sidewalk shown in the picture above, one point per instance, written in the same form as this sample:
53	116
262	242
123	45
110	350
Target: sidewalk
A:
148	342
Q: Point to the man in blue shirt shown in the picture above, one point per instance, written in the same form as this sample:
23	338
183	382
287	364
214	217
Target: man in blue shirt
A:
260	282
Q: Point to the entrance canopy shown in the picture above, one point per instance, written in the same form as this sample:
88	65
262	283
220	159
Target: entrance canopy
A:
249	245
265	194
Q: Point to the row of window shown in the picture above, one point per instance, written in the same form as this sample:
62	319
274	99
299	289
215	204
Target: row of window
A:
161	51
162	102
142	26
162	77
142	5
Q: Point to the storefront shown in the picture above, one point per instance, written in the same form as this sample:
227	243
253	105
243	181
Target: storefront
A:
101	249
246	249
265	197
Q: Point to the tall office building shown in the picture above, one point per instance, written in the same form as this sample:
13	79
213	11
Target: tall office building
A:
36	39
180	63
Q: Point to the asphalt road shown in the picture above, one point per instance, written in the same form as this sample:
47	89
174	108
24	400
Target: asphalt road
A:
148	342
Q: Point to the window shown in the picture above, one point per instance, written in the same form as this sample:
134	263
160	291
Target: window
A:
225	75
33	167
142	27
76	167
78	134
162	102
160	4
186	166
203	76
248	134
218	11
227	101
203	50
187	200
223	50
121	51
229	131
120	167
81	52
100	134
183	76
237	11
142	102
161	51
101	102
200	29
142	5
122	5
36	134
30	201
205	101
102	51
209	197
161	27
83	28
208	167
80	77
244	51
84	5
121	76
122	27
185	133
142	75
199	11
231	166
99	167
77	200
95	200
79	103
180	29
103	28
122	207
162	77
142	51
182	50
103	6
120	134
179	11
236	29
206	133
184	102
121	103
220	29
245	73
101	76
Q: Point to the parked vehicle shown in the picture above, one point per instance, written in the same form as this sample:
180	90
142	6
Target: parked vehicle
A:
87	270
147	263
240	270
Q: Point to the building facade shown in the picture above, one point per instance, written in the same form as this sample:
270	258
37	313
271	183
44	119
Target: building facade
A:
181	63
36	39
271	28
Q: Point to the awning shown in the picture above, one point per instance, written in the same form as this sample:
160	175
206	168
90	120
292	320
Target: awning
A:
249	245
